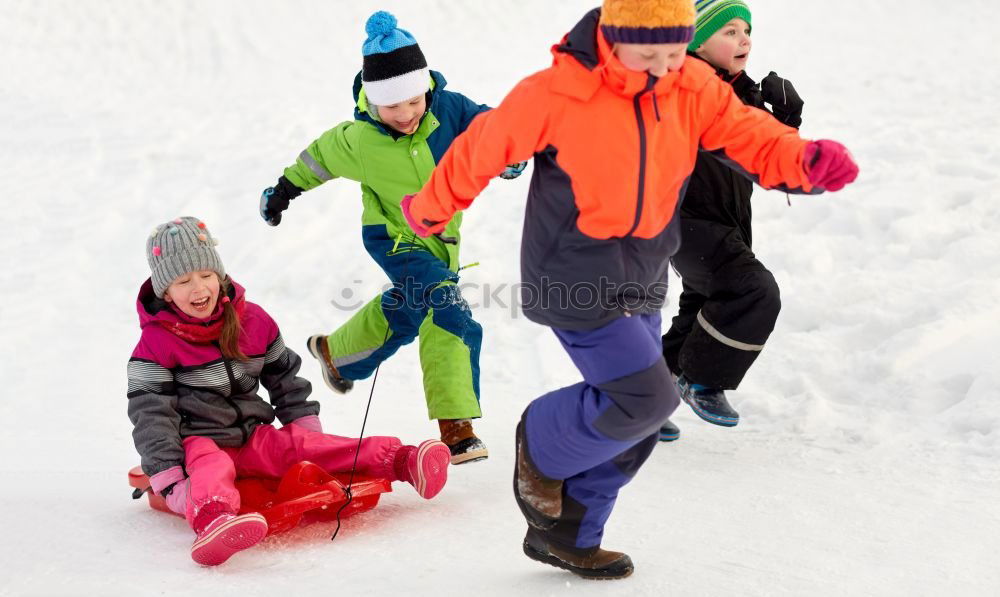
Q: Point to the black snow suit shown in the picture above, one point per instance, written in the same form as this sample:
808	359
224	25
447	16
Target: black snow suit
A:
730	301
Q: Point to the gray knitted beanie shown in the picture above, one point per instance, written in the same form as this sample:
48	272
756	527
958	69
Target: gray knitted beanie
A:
180	247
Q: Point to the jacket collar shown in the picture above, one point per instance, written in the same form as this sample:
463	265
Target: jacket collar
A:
584	61
741	82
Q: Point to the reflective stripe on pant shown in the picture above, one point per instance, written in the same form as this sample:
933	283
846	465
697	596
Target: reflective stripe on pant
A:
269	453
727	310
424	302
595	435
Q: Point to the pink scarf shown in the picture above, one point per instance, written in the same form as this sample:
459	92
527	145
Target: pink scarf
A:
202	331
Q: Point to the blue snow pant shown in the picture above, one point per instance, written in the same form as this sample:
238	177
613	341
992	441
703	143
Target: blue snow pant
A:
596	434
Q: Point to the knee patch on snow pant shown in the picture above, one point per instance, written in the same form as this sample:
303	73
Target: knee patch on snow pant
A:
642	402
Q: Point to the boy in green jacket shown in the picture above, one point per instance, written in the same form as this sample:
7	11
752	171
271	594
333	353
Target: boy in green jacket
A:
404	121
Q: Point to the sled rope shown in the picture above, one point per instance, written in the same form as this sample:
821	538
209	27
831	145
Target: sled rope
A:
357	450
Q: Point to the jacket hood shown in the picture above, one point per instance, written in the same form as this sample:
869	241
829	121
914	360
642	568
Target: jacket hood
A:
438	82
581	41
153	309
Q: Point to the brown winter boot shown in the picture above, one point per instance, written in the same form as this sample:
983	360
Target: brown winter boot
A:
458	435
319	349
539	497
592	564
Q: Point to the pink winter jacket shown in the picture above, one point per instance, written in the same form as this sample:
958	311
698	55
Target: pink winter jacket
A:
177	388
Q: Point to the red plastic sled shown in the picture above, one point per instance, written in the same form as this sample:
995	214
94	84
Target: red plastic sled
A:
306	490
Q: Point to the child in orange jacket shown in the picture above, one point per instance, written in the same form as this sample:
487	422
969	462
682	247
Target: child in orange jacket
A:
614	127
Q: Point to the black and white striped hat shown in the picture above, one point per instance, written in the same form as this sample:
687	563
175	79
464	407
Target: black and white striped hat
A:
394	68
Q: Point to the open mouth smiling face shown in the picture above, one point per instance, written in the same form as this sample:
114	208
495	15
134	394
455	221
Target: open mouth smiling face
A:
195	293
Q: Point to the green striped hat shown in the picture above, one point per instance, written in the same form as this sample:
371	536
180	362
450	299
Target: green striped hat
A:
713	14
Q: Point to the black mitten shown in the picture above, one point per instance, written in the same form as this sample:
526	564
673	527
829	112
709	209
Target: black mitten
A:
785	101
274	200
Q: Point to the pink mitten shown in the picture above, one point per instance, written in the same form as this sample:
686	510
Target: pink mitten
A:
177	498
423	228
830	165
309	422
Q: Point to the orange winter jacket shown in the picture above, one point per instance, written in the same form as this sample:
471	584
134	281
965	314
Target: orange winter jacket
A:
613	151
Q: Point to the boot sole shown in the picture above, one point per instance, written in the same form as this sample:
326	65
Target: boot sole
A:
432	476
587	573
467	456
312	344
474	456
704	415
236	535
669	437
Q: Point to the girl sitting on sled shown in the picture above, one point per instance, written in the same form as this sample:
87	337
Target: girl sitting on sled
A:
192	395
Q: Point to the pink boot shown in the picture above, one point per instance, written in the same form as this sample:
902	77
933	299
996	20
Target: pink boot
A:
424	466
225	534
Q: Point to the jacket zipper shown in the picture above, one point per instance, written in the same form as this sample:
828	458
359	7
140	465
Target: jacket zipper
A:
231	402
650	82
640	199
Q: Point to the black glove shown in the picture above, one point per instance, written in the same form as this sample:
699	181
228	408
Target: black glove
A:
785	101
274	200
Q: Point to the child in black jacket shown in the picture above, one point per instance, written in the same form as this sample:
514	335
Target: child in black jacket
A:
730	301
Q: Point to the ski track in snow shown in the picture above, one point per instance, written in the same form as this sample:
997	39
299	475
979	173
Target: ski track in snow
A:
865	463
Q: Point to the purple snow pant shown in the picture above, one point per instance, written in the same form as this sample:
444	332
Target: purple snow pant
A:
596	434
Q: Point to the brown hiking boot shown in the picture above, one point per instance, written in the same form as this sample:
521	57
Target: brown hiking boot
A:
320	350
593	564
539	497
458	435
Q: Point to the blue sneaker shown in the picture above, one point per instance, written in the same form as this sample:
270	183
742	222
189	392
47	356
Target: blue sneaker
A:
708	403
669	432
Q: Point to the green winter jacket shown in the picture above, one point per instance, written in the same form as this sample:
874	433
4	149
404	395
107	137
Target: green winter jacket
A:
390	165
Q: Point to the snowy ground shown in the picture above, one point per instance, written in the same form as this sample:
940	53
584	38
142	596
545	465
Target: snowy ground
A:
866	462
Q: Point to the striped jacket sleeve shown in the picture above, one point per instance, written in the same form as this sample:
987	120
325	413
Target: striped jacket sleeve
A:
289	393
152	408
334	155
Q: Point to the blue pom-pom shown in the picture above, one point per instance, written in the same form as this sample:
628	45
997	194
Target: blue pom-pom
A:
380	23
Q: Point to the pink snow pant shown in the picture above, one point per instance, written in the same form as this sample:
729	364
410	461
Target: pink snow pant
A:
270	452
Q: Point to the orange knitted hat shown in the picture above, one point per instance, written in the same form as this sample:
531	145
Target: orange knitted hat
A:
648	21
